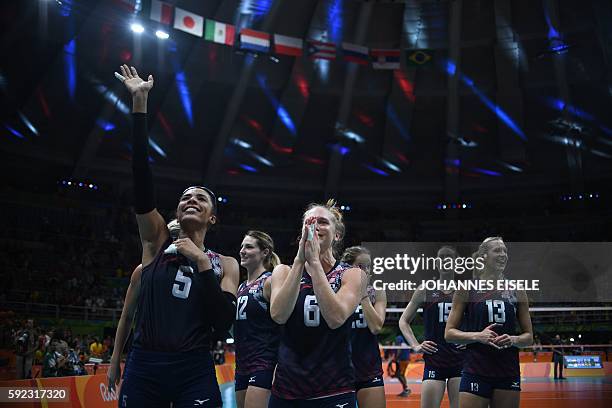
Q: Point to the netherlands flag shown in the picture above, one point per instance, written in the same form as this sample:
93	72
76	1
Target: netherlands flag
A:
321	50
385	59
355	53
287	45
254	40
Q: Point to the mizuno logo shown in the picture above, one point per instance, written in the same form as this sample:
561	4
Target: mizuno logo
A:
516	384
376	379
252	379
342	405
201	402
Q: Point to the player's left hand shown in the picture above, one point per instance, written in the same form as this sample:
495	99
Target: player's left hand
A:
311	246
187	248
503	341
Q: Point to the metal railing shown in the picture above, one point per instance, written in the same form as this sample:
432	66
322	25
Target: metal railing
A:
83	313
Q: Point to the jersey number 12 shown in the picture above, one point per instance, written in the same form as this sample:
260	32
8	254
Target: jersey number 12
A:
241	308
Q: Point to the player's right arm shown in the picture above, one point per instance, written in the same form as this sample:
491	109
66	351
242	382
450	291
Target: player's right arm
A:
124	326
285	290
453	334
151	225
428	346
286	284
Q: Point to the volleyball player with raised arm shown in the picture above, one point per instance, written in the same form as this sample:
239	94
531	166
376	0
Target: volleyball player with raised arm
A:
185	291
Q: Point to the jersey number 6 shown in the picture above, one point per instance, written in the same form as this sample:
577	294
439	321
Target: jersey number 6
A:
312	316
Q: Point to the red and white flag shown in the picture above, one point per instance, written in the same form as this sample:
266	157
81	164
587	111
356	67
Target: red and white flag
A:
161	12
188	22
321	50
288	45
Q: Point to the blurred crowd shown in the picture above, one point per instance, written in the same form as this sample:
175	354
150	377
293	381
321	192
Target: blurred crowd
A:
58	352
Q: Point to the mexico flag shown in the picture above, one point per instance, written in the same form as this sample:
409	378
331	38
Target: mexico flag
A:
189	22
220	33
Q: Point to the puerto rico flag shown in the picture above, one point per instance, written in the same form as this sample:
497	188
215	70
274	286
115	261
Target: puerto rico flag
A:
288	45
321	50
355	53
385	59
254	40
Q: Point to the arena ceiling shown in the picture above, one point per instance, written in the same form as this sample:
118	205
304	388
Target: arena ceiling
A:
515	96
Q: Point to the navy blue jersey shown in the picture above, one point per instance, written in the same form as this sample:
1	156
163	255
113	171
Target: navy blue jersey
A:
364	345
484	308
171	314
314	360
256	334
436	308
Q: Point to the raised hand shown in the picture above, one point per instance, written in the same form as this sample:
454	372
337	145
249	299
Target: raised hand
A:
311	246
301	256
135	84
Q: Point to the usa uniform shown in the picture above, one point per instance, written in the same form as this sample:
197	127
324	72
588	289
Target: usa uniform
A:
257	336
365	352
487	368
448	360
314	362
170	359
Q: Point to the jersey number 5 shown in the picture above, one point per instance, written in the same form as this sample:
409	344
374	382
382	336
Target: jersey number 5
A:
182	279
312	315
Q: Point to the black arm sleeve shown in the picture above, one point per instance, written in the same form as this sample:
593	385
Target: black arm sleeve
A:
144	195
223	303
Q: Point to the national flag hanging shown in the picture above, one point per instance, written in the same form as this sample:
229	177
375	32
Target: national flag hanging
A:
321	50
355	53
288	45
418	57
385	59
189	22
252	40
161	12
131	6
220	33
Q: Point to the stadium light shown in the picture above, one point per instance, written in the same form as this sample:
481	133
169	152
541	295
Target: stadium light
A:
137	28
162	35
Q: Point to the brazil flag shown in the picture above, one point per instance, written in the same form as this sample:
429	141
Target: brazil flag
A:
418	57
